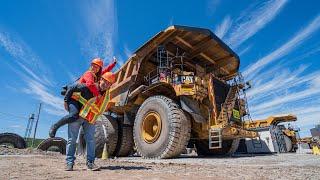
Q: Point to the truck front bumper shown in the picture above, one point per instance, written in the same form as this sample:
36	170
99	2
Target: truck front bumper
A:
237	132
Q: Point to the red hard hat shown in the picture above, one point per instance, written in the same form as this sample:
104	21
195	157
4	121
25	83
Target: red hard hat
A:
109	76
98	62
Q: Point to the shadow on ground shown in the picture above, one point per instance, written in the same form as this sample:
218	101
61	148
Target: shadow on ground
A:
124	168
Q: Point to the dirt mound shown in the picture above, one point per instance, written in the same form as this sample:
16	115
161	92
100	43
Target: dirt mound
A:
27	151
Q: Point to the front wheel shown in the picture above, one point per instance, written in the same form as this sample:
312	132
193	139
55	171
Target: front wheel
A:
161	128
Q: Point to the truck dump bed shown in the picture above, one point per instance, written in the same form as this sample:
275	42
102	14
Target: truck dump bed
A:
200	47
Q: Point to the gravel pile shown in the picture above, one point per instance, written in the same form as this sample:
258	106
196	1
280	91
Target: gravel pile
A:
9	151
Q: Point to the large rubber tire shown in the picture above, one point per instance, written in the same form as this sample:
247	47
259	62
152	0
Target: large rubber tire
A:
175	131
229	147
125	141
288	142
106	132
14	139
56	142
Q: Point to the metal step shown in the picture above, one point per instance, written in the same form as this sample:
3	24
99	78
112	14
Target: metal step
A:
215	138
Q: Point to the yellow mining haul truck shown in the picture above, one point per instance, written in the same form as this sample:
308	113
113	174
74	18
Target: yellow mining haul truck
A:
279	133
181	87
309	143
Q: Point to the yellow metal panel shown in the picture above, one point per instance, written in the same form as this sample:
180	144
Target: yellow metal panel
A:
316	150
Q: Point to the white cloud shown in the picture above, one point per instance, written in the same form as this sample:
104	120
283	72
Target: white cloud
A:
212	6
224	27
245	50
285	87
286	48
72	76
280	90
28	66
127	52
13	48
171	21
307	53
252	20
42	93
22	53
101	28
283	79
17	126
120	61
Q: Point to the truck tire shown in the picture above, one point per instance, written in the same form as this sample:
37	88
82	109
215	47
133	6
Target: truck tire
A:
57	144
288	142
161	128
14	139
125	141
229	147
106	132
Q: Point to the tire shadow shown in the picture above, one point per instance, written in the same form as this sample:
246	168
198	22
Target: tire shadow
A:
124	168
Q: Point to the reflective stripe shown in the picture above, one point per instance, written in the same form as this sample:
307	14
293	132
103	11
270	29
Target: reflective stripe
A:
77	96
86	108
104	103
94	107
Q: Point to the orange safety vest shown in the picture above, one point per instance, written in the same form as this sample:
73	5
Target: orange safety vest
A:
93	107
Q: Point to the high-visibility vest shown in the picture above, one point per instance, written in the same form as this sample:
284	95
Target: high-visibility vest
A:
93	107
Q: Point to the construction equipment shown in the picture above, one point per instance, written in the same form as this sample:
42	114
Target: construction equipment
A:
181	87
314	141
304	145
273	137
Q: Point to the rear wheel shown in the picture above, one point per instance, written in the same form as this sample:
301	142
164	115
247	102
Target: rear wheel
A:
229	147
125	141
106	133
11	139
288	142
161	128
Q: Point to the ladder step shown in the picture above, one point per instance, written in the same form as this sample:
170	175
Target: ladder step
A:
215	139
215	136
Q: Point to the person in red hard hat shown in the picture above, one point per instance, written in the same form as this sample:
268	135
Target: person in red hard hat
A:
84	109
88	114
92	76
90	85
89	79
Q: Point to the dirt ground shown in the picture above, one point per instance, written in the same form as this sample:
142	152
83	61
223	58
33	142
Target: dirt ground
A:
30	164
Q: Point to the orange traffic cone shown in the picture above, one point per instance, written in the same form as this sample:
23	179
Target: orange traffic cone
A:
105	154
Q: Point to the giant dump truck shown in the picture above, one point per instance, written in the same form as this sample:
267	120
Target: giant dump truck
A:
182	87
273	136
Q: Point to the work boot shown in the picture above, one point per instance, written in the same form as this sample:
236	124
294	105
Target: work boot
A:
69	167
54	128
53	131
92	167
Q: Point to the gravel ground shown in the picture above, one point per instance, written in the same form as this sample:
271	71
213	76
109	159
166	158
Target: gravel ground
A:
33	164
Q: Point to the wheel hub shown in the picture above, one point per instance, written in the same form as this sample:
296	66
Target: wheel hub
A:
151	127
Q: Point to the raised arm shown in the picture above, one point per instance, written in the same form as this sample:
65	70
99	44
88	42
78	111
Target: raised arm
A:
110	66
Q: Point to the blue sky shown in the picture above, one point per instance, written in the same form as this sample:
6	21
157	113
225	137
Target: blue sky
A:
46	44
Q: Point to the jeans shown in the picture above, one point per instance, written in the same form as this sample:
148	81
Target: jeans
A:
73	113
73	131
71	117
